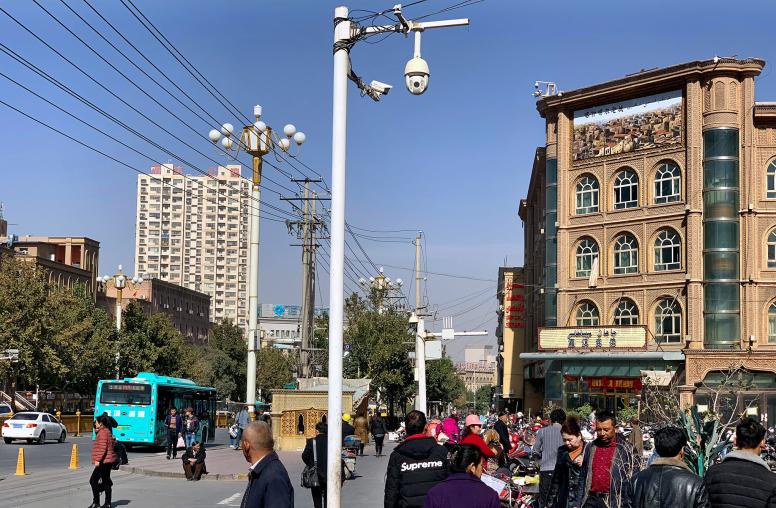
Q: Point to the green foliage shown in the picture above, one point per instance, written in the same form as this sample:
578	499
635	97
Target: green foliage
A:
442	381
581	413
379	342
626	413
221	363
274	368
704	439
479	401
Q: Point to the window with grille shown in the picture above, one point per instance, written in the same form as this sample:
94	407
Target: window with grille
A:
587	250
626	255
668	249
626	190
667	183
587	195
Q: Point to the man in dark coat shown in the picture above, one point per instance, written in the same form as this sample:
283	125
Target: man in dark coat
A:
174	425
194	461
503	432
415	465
319	460
668	481
268	483
609	463
743	479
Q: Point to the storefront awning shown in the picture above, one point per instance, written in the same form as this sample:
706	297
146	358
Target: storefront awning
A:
668	356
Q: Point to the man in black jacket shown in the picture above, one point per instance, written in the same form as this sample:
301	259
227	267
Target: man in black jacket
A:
317	458
268	483
743	479
503	432
415	465
194	461
668	481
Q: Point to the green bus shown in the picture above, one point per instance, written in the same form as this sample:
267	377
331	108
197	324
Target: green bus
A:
139	405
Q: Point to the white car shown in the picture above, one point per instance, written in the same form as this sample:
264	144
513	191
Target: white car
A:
34	427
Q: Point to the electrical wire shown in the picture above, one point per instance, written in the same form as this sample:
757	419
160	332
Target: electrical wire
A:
86	145
23	61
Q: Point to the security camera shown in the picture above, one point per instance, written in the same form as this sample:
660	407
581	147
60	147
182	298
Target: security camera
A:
416	75
381	88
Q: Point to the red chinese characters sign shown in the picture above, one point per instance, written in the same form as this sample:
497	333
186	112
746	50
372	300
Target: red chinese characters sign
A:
514	311
614	383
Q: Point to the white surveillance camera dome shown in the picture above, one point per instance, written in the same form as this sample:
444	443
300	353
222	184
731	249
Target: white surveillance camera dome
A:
416	75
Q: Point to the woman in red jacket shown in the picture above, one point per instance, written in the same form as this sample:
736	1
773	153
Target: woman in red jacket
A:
103	458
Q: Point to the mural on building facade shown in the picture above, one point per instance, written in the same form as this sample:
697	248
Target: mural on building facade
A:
628	126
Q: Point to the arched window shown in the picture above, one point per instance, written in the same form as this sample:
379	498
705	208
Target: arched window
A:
668	321
626	255
626	190
668	251
771	178
667	183
587	195
587	250
587	314
772	249
626	313
772	323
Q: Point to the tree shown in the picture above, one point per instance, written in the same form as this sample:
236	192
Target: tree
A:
379	341
221	363
442	381
479	401
274	369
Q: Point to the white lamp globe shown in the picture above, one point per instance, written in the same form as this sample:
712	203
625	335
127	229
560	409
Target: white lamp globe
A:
285	144
289	130
227	129
260	126
399	282
300	138
227	143
214	135
140	280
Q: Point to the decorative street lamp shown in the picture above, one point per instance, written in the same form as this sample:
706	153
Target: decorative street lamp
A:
120	282
257	139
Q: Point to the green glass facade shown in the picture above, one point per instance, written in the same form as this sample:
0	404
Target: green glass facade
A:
721	294
551	245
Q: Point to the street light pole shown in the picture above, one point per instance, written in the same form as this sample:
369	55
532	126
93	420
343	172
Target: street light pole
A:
256	140
420	339
119	283
337	256
344	39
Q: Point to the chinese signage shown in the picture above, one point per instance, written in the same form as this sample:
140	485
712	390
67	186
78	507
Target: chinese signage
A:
614	383
514	306
593	337
628	126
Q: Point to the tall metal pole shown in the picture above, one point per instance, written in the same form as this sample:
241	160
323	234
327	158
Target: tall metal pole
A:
305	282
337	260
420	344
118	331
253	289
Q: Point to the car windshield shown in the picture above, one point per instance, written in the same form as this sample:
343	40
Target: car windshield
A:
126	393
25	416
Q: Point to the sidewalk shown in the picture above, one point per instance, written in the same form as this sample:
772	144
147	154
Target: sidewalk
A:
222	463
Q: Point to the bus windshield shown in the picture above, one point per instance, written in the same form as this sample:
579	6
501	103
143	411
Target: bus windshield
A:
126	393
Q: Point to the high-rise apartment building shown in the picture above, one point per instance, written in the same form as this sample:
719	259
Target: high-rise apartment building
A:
194	231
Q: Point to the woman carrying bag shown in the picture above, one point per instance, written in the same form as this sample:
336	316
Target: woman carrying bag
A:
314	457
103	458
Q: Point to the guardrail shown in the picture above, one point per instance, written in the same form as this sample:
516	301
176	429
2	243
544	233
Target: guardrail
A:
78	424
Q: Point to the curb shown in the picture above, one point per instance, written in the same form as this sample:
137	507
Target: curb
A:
169	474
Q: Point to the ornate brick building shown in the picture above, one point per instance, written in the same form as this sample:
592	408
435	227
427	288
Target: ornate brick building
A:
651	213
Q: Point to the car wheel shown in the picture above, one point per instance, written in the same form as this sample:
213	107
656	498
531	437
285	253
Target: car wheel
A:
7	440
62	437
42	437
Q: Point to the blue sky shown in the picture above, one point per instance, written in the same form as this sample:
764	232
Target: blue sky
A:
453	162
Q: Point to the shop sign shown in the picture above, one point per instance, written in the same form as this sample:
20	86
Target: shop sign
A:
614	383
592	337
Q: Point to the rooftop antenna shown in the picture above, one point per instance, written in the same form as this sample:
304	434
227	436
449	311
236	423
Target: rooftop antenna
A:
546	89
1	210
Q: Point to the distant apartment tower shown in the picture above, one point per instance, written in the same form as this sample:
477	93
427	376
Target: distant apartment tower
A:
194	231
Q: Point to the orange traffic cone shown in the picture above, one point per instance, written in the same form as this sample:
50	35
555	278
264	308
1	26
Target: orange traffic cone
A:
74	457
20	469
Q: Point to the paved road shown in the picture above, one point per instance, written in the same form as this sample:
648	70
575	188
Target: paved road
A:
50	484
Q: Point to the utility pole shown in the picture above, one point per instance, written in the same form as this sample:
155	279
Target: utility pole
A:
346	34
420	340
306	230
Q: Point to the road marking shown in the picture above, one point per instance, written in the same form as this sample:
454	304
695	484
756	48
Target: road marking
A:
228	500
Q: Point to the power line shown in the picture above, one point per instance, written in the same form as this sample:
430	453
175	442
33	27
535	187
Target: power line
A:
58	131
52	80
454	276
